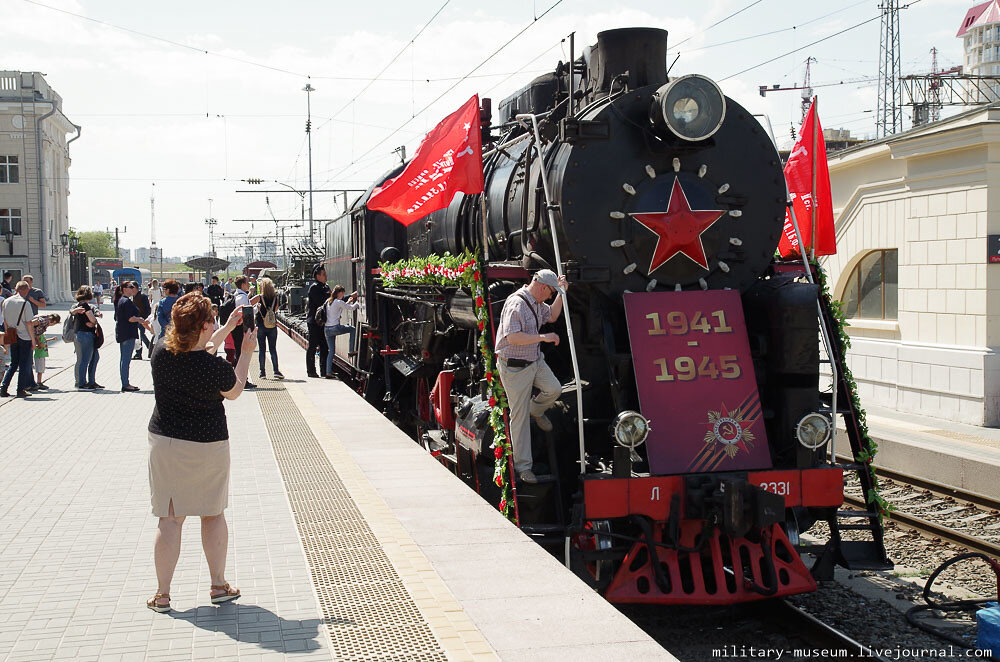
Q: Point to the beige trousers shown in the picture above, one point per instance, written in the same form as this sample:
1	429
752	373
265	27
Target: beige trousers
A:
518	383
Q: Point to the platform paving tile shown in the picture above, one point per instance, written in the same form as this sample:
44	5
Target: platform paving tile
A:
76	535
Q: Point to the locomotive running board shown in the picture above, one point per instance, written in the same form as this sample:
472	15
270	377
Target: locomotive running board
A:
724	571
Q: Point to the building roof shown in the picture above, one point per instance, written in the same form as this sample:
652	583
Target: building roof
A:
976	14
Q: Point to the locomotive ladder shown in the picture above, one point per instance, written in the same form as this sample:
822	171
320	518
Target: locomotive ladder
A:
854	554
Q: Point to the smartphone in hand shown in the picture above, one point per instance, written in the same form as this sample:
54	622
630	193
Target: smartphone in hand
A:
248	322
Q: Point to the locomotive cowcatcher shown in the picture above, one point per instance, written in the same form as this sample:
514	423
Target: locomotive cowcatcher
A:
691	445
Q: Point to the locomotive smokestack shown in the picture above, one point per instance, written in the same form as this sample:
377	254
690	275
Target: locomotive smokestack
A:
642	52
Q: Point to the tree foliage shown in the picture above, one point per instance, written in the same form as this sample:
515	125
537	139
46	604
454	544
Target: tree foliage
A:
96	243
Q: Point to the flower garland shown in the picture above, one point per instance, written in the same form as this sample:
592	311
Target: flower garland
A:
868	446
465	271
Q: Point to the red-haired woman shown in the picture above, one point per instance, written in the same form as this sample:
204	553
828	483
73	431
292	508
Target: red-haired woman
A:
189	440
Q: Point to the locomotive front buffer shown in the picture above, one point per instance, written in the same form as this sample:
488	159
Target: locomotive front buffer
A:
703	538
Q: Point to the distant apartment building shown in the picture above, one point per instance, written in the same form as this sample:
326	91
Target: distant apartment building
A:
34	182
980	34
125	254
141	255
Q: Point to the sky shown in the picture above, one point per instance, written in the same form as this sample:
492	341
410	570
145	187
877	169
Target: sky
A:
196	96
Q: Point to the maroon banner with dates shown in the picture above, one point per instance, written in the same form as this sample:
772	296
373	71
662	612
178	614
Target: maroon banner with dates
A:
696	382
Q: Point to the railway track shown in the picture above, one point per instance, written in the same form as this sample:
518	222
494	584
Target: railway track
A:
820	635
964	518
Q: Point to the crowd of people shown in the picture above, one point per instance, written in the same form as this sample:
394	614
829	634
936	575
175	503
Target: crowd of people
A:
142	317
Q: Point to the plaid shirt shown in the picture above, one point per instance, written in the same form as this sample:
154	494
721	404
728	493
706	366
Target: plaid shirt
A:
517	316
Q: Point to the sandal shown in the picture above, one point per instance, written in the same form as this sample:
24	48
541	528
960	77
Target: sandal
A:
231	593
159	609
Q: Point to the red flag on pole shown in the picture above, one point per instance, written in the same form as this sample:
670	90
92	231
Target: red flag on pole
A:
807	166
449	159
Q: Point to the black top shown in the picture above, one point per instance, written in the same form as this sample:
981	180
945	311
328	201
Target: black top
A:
81	319
188	390
318	294
141	302
214	292
125	330
262	306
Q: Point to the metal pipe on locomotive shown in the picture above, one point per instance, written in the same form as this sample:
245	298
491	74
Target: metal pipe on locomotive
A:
607	170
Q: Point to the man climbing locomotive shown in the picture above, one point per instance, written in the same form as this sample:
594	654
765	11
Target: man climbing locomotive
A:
522	365
683	432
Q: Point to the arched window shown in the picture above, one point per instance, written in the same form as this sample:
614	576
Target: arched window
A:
872	290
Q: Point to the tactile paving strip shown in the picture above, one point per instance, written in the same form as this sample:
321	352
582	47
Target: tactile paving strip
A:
366	609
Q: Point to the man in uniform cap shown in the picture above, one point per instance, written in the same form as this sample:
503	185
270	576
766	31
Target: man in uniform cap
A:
521	364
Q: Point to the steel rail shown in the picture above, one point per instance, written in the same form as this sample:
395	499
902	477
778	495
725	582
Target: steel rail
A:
977	498
795	620
928	527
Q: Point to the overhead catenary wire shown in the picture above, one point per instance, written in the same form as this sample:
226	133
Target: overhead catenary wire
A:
389	64
146	35
452	87
719	22
774	32
812	43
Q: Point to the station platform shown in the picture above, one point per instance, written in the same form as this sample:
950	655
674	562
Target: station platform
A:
953	454
347	540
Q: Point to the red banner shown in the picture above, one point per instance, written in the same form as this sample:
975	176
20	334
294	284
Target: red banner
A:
449	159
799	175
696	382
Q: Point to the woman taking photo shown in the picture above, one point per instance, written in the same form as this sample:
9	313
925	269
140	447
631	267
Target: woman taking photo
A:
267	325
86	339
189	440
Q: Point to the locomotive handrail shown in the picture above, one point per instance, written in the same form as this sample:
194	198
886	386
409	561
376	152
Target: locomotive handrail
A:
824	332
521	118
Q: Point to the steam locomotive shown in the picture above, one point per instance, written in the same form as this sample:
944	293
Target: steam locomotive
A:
691	445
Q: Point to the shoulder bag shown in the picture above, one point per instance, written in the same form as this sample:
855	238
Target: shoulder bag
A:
10	335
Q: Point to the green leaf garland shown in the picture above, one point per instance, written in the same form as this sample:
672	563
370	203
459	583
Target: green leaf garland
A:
465	271
868	446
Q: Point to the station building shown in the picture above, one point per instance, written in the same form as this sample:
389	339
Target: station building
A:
34	182
917	218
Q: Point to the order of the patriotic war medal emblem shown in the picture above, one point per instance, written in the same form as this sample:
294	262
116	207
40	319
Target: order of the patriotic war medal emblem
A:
727	429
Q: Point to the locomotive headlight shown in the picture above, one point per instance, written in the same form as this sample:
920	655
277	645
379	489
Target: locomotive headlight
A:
691	107
630	429
813	430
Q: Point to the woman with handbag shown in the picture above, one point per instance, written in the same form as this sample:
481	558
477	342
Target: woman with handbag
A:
267	325
90	338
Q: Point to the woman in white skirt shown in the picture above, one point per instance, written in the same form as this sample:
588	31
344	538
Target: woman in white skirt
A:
189	440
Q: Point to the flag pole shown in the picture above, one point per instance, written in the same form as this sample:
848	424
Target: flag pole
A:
812	193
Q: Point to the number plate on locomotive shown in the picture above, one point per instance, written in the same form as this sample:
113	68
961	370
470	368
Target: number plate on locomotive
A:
696	382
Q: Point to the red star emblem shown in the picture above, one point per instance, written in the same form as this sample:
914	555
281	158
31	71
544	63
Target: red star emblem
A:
679	229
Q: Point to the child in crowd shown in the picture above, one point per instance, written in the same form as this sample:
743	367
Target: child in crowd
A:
39	324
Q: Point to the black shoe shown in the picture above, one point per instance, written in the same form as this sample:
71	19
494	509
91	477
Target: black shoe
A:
23	394
94	385
41	386
137	356
33	388
312	374
278	375
4	394
129	389
329	375
250	385
262	375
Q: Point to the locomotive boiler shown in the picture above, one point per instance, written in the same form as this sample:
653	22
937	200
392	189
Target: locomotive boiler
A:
691	445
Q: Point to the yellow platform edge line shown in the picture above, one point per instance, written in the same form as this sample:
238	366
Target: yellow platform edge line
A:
458	635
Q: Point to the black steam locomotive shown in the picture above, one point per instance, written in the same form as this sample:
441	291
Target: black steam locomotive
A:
664	201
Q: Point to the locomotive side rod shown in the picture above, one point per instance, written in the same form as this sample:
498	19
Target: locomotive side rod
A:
521	118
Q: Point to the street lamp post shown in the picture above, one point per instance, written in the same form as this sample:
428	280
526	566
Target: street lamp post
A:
308	89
